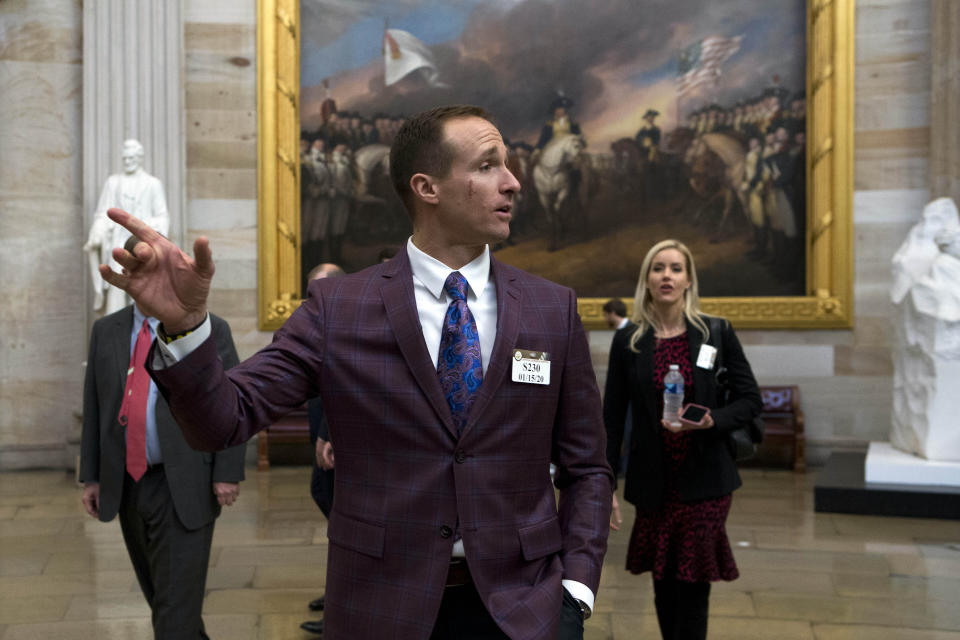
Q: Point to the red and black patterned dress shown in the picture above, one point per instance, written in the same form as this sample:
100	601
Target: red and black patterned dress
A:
685	541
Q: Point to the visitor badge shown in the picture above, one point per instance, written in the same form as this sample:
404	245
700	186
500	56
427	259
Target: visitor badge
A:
531	367
708	355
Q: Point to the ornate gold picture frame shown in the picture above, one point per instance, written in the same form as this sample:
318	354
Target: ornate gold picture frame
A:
828	302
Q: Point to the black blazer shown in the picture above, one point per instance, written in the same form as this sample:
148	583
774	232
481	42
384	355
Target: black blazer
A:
709	470
621	337
190	474
621	341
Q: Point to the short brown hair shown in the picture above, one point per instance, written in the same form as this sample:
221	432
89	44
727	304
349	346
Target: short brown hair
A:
615	305
420	147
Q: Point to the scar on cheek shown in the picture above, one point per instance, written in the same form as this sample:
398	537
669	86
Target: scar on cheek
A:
470	188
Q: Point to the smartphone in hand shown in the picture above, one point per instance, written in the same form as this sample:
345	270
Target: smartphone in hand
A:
694	414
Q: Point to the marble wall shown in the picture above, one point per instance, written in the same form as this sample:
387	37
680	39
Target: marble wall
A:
845	376
43	339
221	129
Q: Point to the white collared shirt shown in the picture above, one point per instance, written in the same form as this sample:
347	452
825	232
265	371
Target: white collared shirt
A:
429	275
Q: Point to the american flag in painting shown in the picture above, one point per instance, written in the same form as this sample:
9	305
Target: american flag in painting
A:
700	62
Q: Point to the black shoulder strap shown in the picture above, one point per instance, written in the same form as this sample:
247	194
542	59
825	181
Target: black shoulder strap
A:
720	371
716	329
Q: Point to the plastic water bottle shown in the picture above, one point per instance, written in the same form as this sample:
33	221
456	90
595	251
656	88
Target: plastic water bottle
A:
673	395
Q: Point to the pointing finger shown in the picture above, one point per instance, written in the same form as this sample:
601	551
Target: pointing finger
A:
136	226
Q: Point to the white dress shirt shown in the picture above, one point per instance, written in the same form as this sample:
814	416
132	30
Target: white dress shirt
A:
429	275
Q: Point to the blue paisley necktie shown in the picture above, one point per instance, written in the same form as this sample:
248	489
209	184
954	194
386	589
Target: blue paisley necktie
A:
459	366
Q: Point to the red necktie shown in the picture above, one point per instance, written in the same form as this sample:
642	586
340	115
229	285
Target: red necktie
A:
133	409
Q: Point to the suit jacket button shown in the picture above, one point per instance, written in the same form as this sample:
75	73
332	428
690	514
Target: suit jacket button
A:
460	456
445	531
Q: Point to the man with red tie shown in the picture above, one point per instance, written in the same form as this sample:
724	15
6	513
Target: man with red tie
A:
134	462
450	382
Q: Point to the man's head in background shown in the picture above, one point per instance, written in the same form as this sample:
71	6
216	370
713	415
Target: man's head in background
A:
614	311
325	270
386	254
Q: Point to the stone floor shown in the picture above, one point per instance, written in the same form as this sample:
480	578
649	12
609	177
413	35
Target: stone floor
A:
803	575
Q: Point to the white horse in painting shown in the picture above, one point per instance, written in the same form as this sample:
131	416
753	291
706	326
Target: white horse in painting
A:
552	177
371	161
733	156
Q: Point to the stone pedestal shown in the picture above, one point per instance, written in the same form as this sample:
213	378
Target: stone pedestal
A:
841	488
886	464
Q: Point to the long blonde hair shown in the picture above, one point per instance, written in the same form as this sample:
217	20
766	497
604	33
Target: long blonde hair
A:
643	315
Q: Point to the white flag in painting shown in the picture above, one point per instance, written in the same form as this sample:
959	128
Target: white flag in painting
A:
403	54
700	62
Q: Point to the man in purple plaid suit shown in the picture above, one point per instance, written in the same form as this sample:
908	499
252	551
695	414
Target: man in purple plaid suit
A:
445	524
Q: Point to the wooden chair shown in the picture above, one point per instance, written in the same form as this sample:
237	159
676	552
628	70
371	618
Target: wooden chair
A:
293	428
784	443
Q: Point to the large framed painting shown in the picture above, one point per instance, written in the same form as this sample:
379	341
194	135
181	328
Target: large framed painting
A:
727	125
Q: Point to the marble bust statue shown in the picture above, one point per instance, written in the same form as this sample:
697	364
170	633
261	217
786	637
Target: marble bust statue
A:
926	336
137	192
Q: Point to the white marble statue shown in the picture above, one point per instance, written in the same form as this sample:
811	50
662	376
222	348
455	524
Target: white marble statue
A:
926	342
136	192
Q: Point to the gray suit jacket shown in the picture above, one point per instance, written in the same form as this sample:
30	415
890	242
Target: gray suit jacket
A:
190	474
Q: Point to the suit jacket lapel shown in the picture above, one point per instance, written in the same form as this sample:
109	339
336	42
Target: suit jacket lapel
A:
119	343
116	340
701	376
508	327
401	308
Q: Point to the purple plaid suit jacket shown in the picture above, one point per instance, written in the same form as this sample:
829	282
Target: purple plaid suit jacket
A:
403	478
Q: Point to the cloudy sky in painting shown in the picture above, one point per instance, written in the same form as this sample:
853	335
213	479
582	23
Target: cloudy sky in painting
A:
613	58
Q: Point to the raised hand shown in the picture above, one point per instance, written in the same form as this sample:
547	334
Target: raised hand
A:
164	281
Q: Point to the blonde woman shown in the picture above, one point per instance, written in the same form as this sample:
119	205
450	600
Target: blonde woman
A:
680	478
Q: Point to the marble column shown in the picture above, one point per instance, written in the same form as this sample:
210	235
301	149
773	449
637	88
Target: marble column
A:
945	99
41	217
133	88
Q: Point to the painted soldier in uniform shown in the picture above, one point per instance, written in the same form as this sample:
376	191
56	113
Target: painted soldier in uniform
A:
561	123
368	133
795	118
648	137
342	183
648	140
